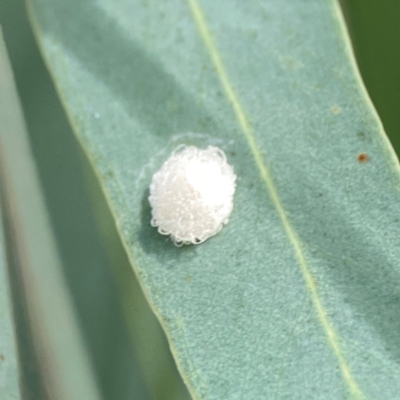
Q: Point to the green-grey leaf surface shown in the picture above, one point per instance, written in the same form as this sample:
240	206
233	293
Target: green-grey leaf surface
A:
298	296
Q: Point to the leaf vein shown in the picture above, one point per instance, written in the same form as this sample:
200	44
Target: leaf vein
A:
243	121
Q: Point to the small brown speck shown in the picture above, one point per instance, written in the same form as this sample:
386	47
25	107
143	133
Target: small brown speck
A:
1	357
363	157
336	110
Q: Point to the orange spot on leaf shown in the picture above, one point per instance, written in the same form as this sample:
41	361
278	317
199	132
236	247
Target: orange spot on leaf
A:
363	157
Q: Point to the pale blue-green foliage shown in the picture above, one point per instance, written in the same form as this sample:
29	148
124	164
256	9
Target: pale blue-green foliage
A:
298	296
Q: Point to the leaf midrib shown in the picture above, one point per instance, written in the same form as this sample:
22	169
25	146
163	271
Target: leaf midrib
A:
291	233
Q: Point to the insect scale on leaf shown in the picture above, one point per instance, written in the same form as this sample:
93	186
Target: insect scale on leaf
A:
192	194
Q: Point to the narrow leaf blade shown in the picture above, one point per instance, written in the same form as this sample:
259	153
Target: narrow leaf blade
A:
298	295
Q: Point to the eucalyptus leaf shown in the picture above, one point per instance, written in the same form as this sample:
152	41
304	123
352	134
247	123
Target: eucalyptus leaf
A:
298	296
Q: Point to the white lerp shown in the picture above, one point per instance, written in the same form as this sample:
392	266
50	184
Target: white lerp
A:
192	194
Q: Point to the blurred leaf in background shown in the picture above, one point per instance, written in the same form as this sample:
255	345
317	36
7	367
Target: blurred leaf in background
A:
9	368
128	349
375	31
32	257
